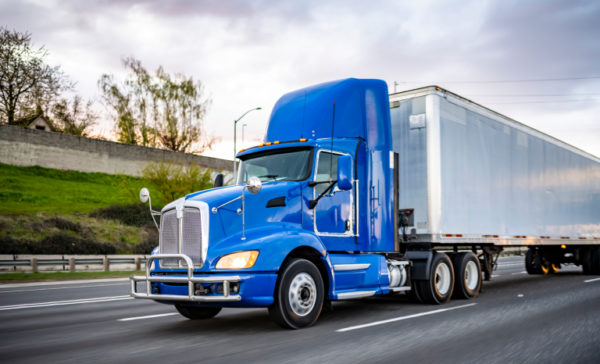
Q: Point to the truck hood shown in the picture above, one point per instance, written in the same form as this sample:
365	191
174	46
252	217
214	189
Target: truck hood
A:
277	202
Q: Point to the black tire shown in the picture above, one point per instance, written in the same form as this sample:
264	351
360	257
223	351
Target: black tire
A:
533	262
586	260
467	273
440	285
299	295
197	312
594	261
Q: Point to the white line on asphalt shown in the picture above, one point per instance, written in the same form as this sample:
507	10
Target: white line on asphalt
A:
148	316
56	283
592	280
523	272
495	275
46	289
63	303
382	322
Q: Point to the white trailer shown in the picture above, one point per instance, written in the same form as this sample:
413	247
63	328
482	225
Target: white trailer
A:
471	176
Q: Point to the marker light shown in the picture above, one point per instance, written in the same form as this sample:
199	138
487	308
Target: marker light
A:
276	142
268	143
563	246
302	139
239	260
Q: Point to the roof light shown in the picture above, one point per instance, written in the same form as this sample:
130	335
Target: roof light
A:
276	142
268	143
241	150
261	145
302	139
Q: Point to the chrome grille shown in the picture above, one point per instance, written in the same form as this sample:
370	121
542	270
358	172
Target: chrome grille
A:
191	239
192	234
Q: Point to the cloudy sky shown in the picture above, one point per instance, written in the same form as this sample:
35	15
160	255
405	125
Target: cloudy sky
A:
535	61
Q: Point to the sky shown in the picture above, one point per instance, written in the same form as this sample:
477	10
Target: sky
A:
537	62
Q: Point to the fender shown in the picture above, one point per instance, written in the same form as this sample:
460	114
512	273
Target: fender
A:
274	243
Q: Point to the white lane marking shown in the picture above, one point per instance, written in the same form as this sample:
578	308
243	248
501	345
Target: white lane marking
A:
56	283
523	272
520	295
147	317
382	322
495	275
592	280
47	289
63	303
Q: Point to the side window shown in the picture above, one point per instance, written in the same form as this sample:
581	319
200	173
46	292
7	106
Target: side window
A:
326	170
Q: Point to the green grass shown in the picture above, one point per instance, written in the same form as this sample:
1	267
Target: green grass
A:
62	276
29	190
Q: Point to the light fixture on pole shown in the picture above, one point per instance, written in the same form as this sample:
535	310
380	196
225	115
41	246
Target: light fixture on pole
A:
234	139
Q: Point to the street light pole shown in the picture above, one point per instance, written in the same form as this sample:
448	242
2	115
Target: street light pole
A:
234	139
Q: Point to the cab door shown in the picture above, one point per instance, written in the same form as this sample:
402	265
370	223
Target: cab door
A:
334	215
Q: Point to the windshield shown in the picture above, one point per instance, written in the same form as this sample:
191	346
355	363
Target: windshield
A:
277	165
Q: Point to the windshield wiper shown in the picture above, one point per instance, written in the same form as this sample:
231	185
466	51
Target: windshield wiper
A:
271	176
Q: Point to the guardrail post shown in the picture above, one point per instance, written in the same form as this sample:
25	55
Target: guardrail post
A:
138	263
71	264
106	262
34	265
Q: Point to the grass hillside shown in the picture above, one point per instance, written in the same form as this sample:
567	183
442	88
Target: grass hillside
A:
43	208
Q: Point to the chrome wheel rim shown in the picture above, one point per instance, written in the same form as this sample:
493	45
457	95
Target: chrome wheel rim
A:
302	294
442	279
471	275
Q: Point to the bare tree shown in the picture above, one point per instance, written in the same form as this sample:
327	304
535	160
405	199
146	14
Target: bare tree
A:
27	84
74	117
159	109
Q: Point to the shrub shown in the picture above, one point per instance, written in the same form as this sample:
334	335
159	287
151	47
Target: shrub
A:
174	181
63	224
134	215
9	245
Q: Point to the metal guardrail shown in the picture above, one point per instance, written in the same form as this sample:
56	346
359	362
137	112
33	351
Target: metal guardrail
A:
70	263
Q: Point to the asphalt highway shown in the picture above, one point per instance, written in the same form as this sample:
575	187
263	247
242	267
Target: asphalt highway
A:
517	318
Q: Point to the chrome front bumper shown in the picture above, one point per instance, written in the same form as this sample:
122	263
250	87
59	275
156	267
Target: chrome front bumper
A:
190	280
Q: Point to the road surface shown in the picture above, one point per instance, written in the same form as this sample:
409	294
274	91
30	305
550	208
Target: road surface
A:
517	318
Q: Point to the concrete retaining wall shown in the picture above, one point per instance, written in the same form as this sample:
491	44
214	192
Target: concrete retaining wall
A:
25	147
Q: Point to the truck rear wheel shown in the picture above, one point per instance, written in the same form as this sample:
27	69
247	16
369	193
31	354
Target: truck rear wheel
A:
467	273
197	312
299	295
440	285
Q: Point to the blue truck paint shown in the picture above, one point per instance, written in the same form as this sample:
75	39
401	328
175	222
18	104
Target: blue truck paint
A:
349	229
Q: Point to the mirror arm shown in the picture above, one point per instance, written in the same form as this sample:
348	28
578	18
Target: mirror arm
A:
153	213
313	203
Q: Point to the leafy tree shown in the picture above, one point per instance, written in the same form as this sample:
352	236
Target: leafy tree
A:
27	84
73	117
158	109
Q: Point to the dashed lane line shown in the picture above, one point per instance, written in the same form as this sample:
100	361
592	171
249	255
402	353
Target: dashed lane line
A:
591	280
64	303
147	316
401	318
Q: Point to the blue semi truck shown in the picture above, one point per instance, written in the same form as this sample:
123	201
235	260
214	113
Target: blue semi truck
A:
356	193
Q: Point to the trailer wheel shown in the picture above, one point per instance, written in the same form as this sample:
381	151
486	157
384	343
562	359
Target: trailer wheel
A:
467	273
299	295
591	261
534	264
440	285
197	312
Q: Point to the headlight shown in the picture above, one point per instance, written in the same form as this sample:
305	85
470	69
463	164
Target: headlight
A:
238	260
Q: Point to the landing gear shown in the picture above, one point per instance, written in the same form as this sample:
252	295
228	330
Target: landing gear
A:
299	295
534	262
467	271
440	285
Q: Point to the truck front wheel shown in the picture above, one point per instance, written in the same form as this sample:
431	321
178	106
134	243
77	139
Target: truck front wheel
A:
299	295
197	312
440	285
467	272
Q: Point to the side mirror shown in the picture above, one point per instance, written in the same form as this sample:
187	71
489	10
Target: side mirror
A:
218	180
144	195
344	172
254	185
